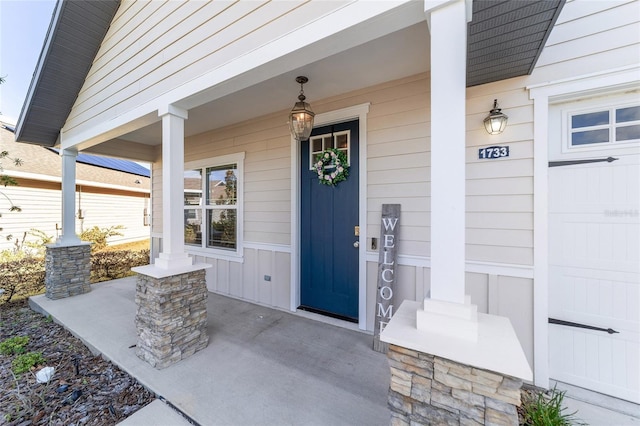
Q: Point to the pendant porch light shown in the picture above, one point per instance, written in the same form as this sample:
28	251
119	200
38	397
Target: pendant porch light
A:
496	121
301	116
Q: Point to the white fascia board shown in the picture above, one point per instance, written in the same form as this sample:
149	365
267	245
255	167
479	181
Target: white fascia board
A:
58	179
354	24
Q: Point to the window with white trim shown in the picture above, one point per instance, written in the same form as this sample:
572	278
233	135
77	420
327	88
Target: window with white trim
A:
337	140
595	127
213	204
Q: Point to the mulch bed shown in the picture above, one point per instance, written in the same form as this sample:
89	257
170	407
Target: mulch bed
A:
84	390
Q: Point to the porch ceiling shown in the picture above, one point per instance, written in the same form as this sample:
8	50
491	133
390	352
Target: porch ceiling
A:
505	39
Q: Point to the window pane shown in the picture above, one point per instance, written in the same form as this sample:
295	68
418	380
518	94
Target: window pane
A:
193	227
316	145
628	133
589	137
222	185
192	187
328	142
222	228
628	114
591	119
341	141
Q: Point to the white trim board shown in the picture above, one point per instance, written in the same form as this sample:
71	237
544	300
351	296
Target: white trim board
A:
474	266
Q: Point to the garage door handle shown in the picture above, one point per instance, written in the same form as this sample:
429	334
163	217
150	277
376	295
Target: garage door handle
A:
573	162
575	324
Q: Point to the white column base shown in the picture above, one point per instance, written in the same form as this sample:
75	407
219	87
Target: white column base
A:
496	348
449	319
69	240
173	260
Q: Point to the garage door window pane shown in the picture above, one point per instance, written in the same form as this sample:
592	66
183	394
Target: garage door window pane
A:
590	137
628	133
624	115
591	119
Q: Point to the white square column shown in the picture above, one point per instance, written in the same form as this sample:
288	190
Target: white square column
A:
448	26
448	310
173	255
68	186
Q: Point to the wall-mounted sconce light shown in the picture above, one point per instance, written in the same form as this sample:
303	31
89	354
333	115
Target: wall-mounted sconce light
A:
496	121
145	217
301	116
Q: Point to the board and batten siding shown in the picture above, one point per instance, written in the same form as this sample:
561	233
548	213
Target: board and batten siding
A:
152	46
41	209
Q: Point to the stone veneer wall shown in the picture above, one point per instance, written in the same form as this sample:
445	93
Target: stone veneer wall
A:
426	389
67	270
171	318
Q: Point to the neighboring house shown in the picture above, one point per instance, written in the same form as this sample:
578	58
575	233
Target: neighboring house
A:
109	192
208	86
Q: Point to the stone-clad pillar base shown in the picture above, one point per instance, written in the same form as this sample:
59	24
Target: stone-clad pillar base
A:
426	389
67	270
171	318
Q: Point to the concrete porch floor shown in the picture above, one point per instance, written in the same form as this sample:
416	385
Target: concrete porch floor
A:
262	366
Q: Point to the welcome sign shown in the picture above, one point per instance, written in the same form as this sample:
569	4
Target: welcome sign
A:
387	265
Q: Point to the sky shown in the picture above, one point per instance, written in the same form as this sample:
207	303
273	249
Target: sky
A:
23	27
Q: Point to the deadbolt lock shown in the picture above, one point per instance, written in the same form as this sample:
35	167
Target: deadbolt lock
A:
356	231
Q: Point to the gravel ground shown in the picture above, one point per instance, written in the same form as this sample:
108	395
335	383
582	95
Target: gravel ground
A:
84	390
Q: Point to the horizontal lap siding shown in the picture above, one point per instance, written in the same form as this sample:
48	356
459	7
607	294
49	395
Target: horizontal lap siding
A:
590	36
499	192
153	46
105	210
267	173
398	156
41	210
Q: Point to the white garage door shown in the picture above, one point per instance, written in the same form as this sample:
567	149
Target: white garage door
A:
594	252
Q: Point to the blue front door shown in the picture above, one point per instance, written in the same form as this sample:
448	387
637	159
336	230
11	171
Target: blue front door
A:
329	221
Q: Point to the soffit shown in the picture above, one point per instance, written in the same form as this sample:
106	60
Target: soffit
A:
505	39
76	31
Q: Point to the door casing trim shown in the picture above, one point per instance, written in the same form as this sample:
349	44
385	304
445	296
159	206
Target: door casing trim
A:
356	112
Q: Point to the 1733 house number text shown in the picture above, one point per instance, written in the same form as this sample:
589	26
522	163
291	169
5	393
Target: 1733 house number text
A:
493	152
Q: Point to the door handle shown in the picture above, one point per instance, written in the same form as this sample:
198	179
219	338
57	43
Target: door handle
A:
356	244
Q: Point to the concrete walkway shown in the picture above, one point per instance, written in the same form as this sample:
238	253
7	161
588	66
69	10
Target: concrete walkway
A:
262	366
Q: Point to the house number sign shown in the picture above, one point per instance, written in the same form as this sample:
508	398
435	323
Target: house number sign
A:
492	152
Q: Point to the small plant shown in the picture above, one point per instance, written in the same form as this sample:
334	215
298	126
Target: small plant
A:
545	409
98	236
23	363
13	345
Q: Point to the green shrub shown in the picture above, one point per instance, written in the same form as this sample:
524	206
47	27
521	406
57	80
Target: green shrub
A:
24	362
98	236
545	409
109	265
13	345
21	278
